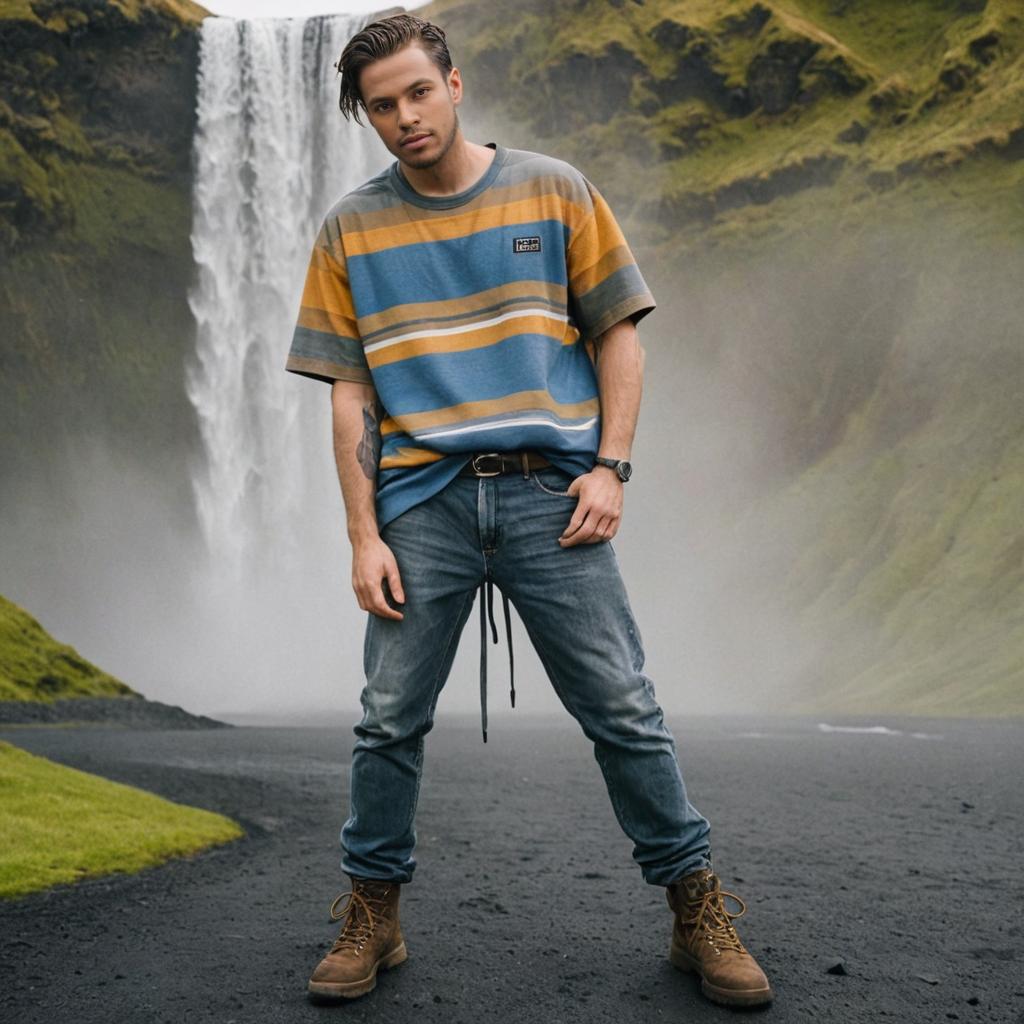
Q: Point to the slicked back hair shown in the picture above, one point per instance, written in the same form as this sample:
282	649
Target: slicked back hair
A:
381	39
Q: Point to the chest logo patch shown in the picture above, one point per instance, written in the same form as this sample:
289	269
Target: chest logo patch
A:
530	243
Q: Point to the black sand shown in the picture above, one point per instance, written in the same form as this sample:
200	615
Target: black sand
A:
899	857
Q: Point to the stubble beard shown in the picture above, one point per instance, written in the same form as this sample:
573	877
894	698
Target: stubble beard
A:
429	161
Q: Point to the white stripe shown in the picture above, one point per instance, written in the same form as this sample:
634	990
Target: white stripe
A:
506	423
465	328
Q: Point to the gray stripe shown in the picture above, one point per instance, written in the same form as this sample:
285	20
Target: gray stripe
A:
520	165
623	284
331	348
405	325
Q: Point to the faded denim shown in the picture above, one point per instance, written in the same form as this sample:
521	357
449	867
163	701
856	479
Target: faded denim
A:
575	609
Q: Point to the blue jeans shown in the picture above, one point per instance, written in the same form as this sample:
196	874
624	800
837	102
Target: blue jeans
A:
575	609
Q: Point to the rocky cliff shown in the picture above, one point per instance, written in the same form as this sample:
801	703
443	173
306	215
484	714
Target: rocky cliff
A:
96	125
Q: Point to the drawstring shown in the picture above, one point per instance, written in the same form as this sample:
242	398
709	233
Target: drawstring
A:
487	615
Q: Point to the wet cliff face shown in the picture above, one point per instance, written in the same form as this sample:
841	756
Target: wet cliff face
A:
96	131
97	84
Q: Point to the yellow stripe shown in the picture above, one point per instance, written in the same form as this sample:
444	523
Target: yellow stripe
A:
593	275
326	287
564	332
549	206
398	213
600	235
328	323
409	457
517	402
448	312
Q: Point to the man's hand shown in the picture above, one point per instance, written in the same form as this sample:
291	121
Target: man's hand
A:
373	565
599	509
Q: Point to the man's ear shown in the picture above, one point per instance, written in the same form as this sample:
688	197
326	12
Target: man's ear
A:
455	85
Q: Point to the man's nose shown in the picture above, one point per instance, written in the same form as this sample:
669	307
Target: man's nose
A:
407	116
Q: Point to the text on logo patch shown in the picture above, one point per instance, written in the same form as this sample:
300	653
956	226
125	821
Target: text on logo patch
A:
528	244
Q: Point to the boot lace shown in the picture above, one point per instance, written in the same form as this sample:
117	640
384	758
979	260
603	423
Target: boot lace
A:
364	909
708	913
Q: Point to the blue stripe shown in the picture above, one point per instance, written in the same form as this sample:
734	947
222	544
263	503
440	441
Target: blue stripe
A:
524	362
435	271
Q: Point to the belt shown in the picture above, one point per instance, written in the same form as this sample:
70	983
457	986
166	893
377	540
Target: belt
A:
483	464
497	463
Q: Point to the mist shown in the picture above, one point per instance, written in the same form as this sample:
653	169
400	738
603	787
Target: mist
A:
825	489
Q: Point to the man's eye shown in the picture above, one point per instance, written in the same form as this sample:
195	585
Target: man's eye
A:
422	89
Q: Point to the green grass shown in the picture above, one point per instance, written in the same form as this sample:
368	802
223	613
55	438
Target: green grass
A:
59	825
34	666
183	11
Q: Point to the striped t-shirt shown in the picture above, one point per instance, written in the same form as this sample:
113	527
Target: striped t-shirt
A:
473	316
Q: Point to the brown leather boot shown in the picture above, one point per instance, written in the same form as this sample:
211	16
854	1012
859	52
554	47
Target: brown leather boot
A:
704	941
371	938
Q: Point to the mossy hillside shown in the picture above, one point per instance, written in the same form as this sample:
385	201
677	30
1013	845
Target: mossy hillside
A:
35	667
898	549
59	825
689	114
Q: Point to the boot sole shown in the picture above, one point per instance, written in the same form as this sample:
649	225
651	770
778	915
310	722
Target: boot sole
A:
334	990
682	961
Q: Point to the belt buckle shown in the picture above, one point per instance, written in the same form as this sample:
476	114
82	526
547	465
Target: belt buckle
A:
488	455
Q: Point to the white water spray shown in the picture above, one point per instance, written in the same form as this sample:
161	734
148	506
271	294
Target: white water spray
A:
272	153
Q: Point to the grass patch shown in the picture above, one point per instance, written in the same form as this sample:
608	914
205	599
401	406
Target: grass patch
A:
34	666
58	825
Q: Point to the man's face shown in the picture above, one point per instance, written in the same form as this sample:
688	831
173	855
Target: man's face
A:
411	106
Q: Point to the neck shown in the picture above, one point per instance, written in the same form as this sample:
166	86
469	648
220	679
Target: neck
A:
460	168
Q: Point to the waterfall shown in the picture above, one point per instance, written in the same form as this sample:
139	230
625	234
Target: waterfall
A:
272	153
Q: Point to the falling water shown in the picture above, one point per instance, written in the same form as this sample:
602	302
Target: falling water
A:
272	153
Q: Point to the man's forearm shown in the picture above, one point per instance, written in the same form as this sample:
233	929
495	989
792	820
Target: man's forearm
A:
620	363
356	414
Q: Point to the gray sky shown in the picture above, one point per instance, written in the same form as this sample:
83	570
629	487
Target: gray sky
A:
299	8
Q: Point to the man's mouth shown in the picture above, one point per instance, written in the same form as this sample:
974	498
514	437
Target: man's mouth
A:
414	139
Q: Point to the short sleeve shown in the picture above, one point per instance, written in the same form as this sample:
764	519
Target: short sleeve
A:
326	344
605	283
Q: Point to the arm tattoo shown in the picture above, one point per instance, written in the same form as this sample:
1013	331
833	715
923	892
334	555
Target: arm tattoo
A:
368	449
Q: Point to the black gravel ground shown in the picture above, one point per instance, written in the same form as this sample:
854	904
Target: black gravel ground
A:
897	856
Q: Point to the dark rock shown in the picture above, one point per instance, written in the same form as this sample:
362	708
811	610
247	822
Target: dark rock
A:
696	76
983	48
601	87
671	34
891	95
956	77
837	968
811	172
773	77
855	132
830	74
129	712
749	22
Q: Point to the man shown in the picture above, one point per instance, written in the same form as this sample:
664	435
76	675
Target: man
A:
474	309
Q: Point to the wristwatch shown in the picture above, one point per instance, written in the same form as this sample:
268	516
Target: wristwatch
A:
621	466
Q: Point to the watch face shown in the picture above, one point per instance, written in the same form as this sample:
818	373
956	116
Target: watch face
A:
625	470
